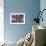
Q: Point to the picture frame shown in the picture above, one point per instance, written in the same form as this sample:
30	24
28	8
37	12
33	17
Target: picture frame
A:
17	18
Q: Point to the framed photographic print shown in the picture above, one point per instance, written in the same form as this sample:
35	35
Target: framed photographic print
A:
17	18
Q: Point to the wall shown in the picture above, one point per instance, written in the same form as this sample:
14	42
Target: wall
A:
29	7
43	6
1	20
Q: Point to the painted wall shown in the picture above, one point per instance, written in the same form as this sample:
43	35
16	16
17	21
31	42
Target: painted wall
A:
43	6
29	7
